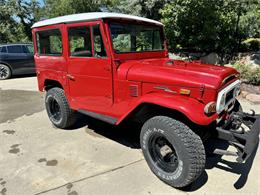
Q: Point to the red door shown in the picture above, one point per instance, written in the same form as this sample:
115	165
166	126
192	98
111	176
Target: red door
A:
89	67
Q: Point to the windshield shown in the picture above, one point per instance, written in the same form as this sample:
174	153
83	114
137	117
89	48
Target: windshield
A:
135	38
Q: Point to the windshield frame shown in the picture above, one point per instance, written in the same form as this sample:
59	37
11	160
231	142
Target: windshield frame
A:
143	24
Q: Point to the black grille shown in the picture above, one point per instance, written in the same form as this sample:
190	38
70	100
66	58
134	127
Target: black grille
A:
229	96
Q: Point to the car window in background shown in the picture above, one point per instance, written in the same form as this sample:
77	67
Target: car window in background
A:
28	49
15	49
49	42
3	49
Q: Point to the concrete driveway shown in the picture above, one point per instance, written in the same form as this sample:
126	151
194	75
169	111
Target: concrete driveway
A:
93	158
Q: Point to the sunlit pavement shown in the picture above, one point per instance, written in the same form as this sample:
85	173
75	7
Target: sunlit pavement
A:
93	158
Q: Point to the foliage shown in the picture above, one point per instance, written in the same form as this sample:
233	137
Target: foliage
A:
199	25
250	22
17	18
205	25
65	7
248	74
28	12
252	43
146	8
9	31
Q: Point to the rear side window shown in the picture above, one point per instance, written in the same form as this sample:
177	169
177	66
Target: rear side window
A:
80	42
3	50
49	42
15	49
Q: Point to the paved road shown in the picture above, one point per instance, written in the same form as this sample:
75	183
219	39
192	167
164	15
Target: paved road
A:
93	158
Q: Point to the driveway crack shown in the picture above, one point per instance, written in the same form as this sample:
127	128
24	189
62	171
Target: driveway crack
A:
91	176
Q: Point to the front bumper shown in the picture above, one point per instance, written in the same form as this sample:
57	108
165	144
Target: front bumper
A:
242	131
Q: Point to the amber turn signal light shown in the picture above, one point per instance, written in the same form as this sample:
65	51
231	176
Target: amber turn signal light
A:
184	91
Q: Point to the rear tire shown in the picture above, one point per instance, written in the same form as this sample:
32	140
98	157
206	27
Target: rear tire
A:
174	153
58	109
5	72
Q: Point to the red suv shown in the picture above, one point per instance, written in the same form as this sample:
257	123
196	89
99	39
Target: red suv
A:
115	68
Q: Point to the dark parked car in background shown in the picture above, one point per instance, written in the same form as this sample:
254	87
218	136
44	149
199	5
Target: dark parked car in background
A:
16	59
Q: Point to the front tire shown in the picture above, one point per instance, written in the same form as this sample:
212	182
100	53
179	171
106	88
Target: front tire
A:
5	72
174	153
58	109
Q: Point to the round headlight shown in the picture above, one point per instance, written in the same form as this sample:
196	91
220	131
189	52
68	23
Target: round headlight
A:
210	108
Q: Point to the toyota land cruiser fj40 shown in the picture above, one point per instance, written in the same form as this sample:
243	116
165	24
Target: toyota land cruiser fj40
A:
115	68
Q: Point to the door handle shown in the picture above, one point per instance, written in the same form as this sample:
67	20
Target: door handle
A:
70	77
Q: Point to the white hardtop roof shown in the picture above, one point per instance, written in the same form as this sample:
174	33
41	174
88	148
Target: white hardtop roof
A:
90	16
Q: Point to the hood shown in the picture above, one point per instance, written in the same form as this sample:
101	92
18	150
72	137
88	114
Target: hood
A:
176	72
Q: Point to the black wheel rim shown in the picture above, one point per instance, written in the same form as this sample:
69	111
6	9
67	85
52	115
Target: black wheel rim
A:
55	111
3	72
163	153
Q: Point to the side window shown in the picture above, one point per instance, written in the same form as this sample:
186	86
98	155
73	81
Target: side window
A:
80	42
15	49
25	49
99	47
49	42
30	49
3	49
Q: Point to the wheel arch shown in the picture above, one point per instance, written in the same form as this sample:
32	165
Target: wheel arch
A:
9	66
183	107
50	83
146	110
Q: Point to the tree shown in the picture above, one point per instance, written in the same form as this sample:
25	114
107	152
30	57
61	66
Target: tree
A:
205	25
17	18
127	7
250	21
9	30
28	13
65	7
146	8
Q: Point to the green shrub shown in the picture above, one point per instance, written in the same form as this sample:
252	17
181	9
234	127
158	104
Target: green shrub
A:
252	44
248	74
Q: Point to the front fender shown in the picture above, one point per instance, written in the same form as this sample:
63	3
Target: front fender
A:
190	107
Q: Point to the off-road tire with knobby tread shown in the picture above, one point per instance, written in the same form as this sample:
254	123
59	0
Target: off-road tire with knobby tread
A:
187	145
68	116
